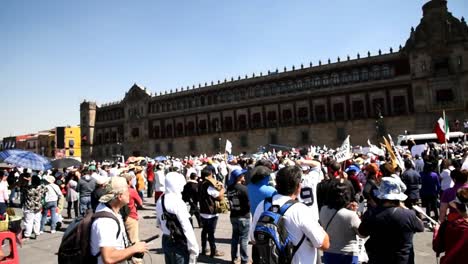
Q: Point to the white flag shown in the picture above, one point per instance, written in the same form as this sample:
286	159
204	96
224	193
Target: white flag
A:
344	153
228	146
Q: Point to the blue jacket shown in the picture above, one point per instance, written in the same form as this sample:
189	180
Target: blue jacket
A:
258	192
430	184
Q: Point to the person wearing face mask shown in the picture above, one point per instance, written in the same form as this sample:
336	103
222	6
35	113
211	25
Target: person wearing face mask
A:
178	242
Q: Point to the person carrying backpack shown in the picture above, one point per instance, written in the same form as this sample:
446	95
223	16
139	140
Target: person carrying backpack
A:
287	221
178	242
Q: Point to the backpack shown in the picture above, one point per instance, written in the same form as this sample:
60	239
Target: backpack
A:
273	244
75	246
172	223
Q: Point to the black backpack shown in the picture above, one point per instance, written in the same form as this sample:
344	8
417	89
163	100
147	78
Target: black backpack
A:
75	246
172	223
273	244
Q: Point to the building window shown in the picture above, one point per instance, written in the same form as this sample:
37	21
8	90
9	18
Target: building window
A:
156	132
227	123
386	71
256	120
339	111
135	132
179	129
325	80
399	105
271	119
244	141
320	113
445	95
107	138
364	74
215	127
242	122
202	126
335	79
345	77
304	137
317	82
287	116
169	130
190	128
375	74
355	76
273	138
358	109
303	115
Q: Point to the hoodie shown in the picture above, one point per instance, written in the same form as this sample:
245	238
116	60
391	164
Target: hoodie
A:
174	204
86	186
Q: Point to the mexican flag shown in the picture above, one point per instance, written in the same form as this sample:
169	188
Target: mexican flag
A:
442	130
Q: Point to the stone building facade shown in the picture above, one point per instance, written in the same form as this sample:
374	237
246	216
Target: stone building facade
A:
364	97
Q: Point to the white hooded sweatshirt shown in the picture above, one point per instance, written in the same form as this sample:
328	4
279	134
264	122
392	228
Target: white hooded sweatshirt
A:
174	204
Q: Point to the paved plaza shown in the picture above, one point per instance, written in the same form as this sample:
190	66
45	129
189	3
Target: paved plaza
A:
44	248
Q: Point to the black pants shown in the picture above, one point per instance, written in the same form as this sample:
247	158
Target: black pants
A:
209	227
430	202
150	189
75	208
195	211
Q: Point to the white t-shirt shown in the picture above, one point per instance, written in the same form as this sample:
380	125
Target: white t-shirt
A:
104	231
299	221
53	192
311	181
215	194
159	181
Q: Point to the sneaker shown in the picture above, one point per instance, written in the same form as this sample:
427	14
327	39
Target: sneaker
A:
217	254
40	232
52	231
205	253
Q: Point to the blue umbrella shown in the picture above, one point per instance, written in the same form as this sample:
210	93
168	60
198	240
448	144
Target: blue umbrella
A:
26	159
160	158
7	153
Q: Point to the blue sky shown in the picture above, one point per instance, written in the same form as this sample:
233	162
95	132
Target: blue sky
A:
54	54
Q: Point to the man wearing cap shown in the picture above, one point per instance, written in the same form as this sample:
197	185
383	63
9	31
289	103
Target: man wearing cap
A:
106	242
240	214
390	226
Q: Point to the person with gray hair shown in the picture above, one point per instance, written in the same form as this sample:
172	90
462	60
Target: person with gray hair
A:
109	241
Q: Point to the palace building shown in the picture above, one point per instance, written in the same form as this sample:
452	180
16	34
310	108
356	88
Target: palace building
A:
368	96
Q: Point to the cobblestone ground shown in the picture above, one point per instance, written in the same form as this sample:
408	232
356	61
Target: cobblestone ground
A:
43	249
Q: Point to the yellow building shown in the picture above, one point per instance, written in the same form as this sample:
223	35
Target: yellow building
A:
68	142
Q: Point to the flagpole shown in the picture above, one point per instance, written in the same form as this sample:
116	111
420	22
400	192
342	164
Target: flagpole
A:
445	133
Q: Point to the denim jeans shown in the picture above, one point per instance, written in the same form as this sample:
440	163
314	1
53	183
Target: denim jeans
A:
174	253
209	227
332	258
240	233
85	204
52	206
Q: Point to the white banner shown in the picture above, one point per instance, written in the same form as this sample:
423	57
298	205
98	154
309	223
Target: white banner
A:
345	151
228	147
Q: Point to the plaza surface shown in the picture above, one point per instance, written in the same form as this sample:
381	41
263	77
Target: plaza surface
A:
43	249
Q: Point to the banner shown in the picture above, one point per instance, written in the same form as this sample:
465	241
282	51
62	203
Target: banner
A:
344	153
228	147
375	150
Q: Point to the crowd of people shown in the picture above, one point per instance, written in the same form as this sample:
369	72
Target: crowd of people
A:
363	209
